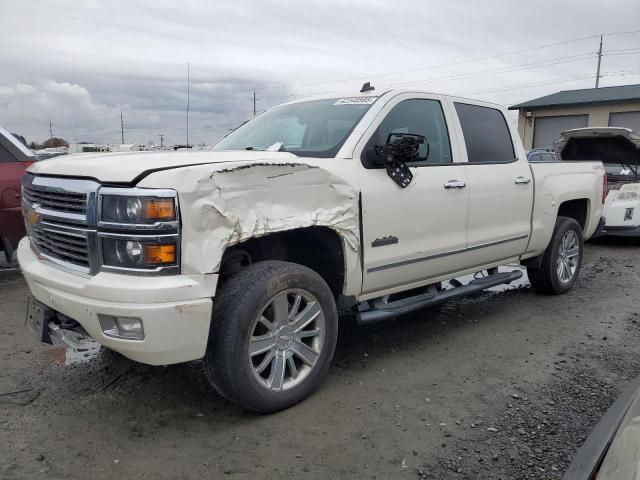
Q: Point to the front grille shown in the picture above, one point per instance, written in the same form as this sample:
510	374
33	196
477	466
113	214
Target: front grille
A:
60	218
67	246
58	201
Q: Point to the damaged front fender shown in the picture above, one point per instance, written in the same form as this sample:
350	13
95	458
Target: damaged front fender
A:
223	205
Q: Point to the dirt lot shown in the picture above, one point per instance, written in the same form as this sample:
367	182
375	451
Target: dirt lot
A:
504	385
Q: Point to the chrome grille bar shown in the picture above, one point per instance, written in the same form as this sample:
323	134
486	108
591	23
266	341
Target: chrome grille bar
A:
60	219
65	202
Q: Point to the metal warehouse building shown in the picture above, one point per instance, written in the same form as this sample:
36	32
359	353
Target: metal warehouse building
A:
541	121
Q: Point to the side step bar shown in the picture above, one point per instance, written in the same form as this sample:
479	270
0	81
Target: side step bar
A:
380	309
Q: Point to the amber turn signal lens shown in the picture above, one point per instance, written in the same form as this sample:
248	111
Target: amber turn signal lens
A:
160	209
159	254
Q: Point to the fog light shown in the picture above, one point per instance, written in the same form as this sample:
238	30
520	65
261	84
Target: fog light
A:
129	328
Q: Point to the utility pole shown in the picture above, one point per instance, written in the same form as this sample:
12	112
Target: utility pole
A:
50	129
188	92
254	103
76	140
161	140
121	127
599	61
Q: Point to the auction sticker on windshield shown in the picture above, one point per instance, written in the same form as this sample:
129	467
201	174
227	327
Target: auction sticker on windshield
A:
356	101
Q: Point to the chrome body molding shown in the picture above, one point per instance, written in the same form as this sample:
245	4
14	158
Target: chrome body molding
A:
445	254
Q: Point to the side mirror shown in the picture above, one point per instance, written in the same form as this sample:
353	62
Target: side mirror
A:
396	138
371	158
399	146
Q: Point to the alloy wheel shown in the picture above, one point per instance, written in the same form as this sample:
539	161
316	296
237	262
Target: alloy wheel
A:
286	339
568	256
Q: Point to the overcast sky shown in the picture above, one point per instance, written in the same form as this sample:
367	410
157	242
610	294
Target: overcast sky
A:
79	63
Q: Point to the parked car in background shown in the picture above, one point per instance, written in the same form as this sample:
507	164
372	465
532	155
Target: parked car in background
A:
14	160
244	255
619	150
541	155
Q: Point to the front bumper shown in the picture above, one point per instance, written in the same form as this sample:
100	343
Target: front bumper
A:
175	310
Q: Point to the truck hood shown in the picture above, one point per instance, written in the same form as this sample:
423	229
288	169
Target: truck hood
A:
127	167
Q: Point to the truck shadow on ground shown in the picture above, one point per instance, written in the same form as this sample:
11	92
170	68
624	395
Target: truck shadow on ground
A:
173	392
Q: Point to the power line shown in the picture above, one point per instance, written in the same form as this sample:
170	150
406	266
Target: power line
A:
451	64
460	62
549	82
461	76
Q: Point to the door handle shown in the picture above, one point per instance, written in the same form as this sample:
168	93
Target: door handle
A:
522	180
455	184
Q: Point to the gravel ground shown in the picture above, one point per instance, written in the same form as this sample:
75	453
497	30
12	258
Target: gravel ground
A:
503	385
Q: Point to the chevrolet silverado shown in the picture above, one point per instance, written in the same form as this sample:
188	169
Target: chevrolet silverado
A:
245	256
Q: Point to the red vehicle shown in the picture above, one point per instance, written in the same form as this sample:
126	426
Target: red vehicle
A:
15	158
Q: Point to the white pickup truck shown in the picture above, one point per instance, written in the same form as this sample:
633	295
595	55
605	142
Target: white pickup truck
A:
245	255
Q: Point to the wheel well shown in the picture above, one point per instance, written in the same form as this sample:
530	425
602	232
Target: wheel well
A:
319	248
576	209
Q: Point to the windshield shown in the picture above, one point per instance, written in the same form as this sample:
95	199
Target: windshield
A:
317	128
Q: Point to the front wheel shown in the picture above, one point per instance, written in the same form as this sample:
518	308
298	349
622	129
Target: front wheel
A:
273	333
561	261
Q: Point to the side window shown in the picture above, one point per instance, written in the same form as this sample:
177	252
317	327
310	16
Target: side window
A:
486	134
422	117
5	155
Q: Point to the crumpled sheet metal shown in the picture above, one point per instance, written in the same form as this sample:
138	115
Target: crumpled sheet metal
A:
225	204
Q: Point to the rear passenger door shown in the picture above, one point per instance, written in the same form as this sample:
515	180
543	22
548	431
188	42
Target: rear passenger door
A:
500	186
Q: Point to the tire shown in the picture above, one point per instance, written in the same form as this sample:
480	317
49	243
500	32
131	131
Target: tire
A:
551	278
249	315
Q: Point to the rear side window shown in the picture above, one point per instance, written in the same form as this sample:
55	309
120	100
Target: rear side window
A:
486	134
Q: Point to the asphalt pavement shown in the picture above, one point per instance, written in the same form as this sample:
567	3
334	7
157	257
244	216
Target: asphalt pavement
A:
506	384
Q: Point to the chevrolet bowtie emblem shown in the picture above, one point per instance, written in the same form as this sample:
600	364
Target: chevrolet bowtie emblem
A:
33	217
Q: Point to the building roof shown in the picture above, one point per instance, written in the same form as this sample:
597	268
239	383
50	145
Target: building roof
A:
586	96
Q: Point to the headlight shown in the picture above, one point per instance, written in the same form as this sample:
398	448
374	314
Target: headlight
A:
138	230
628	192
137	210
140	253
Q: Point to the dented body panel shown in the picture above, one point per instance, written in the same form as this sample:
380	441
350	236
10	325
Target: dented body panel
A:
226	204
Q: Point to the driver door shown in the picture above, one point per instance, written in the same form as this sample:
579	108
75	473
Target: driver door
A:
415	233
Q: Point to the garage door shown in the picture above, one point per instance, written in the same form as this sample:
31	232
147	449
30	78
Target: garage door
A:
547	130
625	119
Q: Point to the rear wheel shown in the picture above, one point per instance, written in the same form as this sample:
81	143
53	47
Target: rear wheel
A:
561	261
273	334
